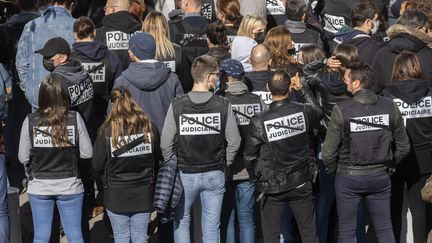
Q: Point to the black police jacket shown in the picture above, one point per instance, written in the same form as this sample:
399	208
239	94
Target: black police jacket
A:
278	152
49	161
129	177
414	100
364	135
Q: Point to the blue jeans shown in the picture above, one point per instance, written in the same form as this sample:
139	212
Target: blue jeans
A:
129	226
210	187
239	199
375	189
70	209
4	212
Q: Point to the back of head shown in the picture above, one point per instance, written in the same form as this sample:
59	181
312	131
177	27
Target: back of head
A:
346	54
230	10
202	66
424	5
137	8
363	11
65	3
216	33
296	10
407	66
249	23
278	39
414	18
311	53
260	55
156	24
279	83
28	5
118	5
84	28
362	72
125	113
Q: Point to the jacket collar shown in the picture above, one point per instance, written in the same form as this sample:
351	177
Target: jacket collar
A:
366	96
56	9
398	29
279	103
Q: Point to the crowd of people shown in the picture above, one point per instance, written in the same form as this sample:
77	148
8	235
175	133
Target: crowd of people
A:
219	120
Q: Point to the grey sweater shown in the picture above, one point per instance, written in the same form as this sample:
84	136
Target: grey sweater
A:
169	130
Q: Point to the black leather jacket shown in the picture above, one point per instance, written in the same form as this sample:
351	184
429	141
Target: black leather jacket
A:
257	148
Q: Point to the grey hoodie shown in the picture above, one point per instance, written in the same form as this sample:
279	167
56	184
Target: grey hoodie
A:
152	86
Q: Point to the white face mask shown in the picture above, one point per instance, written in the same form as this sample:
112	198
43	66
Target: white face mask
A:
376	24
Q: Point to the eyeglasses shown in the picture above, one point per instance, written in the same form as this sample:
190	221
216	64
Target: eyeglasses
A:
110	6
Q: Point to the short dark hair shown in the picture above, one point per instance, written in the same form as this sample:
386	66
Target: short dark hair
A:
295	9
361	71
217	33
84	27
279	83
28	4
311	53
68	3
363	11
203	65
414	18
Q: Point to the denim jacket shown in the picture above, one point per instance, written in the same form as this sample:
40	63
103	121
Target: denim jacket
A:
54	22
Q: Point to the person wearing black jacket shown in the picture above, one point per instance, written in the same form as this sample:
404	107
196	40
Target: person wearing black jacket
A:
127	150
118	26
256	80
103	65
364	23
409	34
413	96
365	136
280	160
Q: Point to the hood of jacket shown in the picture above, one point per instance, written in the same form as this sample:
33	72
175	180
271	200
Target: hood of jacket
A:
259	79
94	50
241	48
349	35
409	91
403	38
237	88
122	21
147	76
333	83
295	27
72	71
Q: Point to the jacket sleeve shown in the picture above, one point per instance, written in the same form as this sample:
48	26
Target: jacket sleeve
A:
22	57
232	136
169	132
100	152
330	150
85	145
400	137
178	88
24	143
313	109
252	148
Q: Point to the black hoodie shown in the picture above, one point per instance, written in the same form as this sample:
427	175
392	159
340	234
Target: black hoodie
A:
402	39
414	100
104	66
79	87
115	33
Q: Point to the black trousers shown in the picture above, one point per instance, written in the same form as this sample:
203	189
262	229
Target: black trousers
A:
301	202
418	207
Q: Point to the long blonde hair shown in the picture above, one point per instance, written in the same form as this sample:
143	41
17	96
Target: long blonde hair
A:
156	24
249	23
126	115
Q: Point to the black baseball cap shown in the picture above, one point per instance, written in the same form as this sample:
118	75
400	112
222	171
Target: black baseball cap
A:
56	45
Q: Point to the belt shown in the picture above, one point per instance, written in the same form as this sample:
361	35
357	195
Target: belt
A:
349	170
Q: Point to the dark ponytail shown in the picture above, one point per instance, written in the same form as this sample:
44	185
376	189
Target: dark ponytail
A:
84	28
217	33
